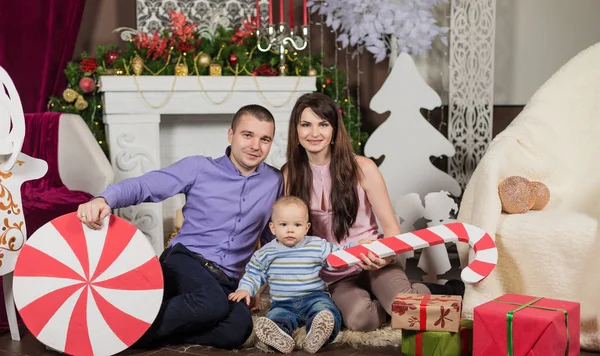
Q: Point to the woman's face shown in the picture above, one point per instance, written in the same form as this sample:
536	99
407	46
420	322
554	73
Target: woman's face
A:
314	133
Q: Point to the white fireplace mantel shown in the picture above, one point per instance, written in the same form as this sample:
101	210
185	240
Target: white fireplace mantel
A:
132	116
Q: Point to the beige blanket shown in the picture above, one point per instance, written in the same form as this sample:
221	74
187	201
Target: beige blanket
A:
552	253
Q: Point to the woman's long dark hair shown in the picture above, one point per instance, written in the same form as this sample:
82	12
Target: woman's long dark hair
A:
343	167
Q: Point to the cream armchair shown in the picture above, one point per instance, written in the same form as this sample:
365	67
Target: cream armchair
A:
81	163
555	140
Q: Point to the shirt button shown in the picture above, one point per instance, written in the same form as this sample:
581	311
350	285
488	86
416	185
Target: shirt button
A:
244	199
239	220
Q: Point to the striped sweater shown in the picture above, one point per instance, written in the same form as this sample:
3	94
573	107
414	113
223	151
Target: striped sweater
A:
290	271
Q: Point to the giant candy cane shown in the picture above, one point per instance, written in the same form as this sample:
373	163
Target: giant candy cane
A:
486	254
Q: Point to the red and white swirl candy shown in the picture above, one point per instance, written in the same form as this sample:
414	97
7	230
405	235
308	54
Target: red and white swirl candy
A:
88	292
486	254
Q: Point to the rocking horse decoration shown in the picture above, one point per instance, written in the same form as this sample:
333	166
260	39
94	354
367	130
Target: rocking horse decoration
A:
15	168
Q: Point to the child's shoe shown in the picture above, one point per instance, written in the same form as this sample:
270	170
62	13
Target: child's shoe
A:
270	333
320	331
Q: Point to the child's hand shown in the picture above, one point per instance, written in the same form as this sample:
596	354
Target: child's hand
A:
240	295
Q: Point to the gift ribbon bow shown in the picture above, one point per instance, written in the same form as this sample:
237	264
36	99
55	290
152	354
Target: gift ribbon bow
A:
510	316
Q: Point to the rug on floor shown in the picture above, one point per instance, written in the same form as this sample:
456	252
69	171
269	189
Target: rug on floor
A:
382	337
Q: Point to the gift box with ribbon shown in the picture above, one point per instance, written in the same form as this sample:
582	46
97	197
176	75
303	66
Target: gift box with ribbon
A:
519	325
438	343
426	312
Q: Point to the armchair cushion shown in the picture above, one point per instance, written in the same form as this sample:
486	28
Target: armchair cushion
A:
46	198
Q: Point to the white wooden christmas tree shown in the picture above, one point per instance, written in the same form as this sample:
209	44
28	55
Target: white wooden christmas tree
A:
408	141
406	138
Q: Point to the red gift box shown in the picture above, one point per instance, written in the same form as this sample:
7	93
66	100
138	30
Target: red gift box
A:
520	325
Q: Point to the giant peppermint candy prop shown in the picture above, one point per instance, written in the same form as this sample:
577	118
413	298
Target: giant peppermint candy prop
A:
486	254
88	292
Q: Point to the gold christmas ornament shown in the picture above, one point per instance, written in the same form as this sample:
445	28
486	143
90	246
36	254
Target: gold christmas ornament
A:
137	65
120	71
516	194
181	69
204	60
215	69
70	95
81	104
312	72
542	195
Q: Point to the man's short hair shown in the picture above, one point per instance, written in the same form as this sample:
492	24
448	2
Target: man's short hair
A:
256	111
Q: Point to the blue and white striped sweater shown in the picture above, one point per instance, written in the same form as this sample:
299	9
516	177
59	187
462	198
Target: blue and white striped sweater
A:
290	271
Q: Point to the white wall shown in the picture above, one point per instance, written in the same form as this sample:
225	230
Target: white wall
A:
534	38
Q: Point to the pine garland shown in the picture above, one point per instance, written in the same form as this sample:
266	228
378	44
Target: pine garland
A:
225	45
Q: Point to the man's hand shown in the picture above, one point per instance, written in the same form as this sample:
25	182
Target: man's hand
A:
93	212
240	295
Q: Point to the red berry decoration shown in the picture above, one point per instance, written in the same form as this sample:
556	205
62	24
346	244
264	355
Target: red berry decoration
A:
87	84
341	111
110	57
233	59
328	81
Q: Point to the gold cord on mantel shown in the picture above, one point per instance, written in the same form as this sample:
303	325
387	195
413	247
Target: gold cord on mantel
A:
167	98
264	98
216	102
237	71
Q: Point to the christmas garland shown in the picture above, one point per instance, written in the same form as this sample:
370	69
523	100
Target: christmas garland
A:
182	50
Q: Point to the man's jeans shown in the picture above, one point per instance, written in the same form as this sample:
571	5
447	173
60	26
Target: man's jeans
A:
195	308
292	313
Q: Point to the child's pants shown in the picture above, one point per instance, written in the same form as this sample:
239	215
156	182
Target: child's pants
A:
292	313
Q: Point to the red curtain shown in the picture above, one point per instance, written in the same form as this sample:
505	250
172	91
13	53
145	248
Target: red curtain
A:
37	40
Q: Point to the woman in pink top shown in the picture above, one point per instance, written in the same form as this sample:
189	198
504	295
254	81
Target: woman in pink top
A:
346	193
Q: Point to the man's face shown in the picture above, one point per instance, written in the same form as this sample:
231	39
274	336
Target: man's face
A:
250	143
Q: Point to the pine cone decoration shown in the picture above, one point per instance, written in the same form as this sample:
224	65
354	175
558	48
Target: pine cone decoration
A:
70	95
81	104
137	65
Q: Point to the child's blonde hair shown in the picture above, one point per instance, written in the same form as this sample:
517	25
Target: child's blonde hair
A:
289	200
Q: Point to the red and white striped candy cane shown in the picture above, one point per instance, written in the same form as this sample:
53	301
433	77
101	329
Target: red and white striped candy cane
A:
486	254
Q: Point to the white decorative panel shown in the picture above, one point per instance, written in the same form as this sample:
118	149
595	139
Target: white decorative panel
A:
153	15
472	35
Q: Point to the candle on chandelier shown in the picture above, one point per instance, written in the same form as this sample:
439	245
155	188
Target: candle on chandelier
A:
270	12
304	13
257	14
281	11
291	13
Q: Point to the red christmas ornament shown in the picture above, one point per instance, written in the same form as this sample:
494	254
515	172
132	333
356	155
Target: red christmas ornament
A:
87	84
110	57
233	59
341	111
328	81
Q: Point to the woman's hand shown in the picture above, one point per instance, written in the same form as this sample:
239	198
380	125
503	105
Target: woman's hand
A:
371	262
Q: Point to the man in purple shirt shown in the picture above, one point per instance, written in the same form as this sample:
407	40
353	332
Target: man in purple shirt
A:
228	204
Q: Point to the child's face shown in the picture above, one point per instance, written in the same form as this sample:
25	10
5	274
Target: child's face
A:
289	224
